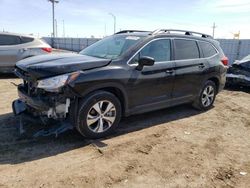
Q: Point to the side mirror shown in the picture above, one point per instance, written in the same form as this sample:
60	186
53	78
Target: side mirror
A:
145	61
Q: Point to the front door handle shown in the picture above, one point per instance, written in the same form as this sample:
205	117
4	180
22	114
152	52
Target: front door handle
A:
201	66
170	71
23	49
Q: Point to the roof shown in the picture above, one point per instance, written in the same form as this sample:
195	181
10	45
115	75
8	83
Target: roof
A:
16	34
168	32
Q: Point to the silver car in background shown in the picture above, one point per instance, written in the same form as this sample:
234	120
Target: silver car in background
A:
14	47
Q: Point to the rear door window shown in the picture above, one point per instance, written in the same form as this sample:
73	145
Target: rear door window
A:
9	40
186	49
207	49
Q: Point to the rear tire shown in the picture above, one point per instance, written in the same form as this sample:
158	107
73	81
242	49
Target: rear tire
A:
206	96
98	115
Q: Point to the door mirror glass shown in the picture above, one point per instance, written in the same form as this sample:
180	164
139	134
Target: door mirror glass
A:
145	61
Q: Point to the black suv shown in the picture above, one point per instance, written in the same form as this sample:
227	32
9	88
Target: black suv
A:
130	72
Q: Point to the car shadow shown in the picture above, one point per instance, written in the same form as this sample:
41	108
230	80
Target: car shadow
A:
14	151
7	75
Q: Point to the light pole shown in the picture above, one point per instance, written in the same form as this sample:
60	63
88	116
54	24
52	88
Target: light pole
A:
63	29
114	17
214	26
53	15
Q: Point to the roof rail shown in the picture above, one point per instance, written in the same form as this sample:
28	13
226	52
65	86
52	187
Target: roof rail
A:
130	31
168	31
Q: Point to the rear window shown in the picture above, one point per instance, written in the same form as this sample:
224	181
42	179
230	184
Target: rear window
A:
9	40
26	39
207	49
186	49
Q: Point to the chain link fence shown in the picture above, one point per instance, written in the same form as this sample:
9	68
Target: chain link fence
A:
72	44
235	49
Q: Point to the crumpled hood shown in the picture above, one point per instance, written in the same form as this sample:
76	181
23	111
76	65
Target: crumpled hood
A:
49	65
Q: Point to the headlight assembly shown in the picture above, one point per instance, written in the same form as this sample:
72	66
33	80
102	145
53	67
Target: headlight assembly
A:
54	84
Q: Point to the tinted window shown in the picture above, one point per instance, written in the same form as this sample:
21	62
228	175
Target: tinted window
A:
207	49
186	49
9	40
26	39
158	49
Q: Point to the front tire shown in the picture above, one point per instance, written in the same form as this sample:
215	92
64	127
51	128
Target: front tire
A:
99	114
206	97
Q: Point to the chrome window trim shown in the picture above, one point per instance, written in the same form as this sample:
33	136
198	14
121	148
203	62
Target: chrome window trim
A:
173	38
128	62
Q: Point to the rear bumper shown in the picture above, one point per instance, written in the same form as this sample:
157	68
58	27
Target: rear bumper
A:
221	86
6	69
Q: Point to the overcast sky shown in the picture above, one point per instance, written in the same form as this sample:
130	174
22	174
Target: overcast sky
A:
84	18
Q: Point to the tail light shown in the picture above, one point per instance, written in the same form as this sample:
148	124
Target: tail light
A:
47	49
224	60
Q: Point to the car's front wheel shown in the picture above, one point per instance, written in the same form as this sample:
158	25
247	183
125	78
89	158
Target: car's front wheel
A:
206	97
99	114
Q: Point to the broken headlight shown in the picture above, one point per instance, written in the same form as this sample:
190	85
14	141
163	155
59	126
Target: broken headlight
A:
54	84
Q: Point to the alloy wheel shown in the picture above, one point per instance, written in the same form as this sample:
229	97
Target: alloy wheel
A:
208	96
101	116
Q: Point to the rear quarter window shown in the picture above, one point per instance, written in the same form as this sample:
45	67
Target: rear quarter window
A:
207	49
6	40
186	49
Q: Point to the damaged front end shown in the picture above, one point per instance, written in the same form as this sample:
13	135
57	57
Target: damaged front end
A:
239	74
45	101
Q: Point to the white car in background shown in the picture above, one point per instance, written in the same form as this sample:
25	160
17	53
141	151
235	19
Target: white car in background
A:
14	47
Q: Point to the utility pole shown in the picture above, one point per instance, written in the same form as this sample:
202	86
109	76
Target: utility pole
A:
53	15
114	17
63	29
105	30
55	28
214	26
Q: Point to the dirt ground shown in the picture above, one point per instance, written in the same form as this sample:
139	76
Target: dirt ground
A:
175	147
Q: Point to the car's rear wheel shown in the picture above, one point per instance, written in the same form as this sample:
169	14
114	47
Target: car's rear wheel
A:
206	97
99	114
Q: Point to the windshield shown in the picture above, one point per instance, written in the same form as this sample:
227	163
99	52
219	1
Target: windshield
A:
111	47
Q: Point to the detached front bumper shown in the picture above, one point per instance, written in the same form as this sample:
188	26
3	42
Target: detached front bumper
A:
34	102
43	104
42	111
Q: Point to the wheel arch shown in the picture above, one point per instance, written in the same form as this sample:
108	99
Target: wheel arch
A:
216	81
115	89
